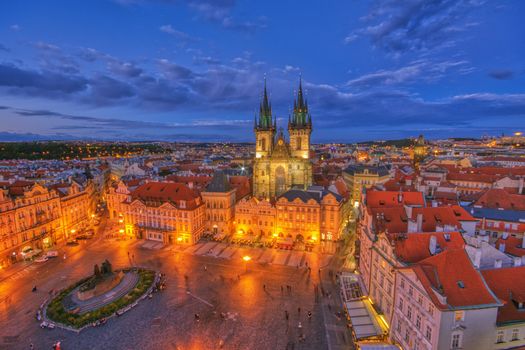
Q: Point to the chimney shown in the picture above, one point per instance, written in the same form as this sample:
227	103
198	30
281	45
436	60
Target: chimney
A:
502	247
432	245
517	261
419	220
408	210
497	264
477	258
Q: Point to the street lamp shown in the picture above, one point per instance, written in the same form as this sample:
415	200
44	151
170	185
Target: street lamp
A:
246	258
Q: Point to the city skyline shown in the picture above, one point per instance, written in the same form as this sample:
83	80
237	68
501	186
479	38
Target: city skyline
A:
194	70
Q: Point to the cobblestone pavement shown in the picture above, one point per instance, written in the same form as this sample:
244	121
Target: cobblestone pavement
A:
240	305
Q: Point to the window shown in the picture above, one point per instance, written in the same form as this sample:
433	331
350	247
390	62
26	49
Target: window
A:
456	341
515	334
411	291
418	322
407	335
430	309
501	337
402	283
400	304
428	333
409	312
459	316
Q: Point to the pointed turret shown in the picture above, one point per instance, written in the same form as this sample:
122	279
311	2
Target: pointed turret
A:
265	111
300	109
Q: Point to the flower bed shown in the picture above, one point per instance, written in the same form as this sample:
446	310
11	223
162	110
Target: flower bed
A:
56	312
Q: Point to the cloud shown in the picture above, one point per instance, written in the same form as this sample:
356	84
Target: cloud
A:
501	74
104	89
219	11
415	25
184	38
416	71
15	28
39	82
4	48
124	69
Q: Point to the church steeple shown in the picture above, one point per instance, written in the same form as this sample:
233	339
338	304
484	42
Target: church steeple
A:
265	111
301	117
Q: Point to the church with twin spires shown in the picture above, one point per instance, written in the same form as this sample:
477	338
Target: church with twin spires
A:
280	165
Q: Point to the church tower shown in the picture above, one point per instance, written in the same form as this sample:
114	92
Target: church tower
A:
264	128
420	151
300	126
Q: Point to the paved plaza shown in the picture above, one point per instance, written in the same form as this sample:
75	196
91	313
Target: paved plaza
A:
240	305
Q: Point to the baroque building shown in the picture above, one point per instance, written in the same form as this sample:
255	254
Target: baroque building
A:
280	165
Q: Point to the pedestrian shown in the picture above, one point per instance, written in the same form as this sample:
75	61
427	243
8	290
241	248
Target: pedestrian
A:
281	289
286	315
197	317
264	286
298	310
31	346
205	268
239	277
309	315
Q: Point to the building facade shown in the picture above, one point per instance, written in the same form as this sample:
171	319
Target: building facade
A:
165	212
279	165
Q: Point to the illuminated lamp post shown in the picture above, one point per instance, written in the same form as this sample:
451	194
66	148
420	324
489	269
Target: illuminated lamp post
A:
246	258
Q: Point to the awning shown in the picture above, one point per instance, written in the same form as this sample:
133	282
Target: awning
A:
365	321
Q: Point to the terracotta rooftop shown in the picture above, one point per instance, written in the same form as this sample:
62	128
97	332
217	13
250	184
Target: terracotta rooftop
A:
513	245
158	193
498	198
388	199
414	247
452	274
503	283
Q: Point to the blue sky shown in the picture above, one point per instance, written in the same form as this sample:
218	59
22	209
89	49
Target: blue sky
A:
193	70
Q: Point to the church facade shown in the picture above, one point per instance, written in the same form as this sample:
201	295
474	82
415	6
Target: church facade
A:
280	165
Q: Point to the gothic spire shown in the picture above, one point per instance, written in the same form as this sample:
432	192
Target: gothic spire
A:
265	110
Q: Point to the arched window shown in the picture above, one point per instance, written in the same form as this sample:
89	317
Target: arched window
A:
298	144
263	144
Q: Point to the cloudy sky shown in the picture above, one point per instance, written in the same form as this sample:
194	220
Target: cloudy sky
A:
193	70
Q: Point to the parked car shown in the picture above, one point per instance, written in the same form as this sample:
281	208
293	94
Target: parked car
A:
47	325
41	259
51	254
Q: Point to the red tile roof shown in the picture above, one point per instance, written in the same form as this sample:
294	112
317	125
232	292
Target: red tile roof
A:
414	247
513	245
157	193
452	274
242	185
498	198
504	283
388	199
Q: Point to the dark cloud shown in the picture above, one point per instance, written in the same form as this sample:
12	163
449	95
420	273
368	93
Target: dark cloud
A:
399	26
40	82
501	74
106	88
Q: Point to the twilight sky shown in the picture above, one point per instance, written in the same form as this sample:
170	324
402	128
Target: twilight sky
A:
193	70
